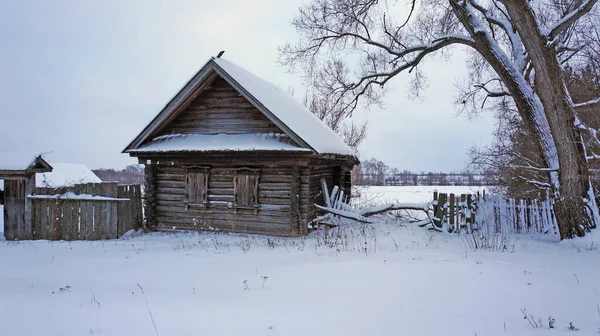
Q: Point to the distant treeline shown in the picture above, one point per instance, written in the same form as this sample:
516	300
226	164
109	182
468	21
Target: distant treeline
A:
375	172
132	174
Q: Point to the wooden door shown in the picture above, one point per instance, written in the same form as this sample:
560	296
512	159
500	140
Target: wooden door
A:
14	209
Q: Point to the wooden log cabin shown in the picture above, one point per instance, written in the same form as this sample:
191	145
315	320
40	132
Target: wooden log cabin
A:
232	152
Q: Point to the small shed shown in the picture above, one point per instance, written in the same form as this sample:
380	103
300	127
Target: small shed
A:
232	152
18	171
66	175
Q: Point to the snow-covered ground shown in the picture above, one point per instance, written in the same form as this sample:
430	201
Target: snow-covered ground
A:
379	279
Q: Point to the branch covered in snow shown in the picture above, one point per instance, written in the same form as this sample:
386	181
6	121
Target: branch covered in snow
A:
570	18
407	59
344	214
385	47
514	38
588	103
367	212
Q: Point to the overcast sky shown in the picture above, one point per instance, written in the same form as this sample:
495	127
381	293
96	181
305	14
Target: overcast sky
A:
80	79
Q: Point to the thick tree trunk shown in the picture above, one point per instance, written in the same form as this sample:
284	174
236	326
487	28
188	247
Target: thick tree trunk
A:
574	215
547	112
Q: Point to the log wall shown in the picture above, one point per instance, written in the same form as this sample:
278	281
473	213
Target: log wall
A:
274	214
289	185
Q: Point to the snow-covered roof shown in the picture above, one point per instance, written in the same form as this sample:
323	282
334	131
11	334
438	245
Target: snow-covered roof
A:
21	161
288	110
280	107
217	142
66	175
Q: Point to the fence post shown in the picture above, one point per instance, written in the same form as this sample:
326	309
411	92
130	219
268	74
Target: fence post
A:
138	214
473	209
452	214
439	214
435	201
469	214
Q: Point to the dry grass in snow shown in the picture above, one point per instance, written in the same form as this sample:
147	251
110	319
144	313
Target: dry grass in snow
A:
363	280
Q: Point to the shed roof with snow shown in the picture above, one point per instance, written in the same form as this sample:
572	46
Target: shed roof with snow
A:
14	164
300	128
66	175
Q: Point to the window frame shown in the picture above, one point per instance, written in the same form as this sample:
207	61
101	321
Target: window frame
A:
239	172
196	171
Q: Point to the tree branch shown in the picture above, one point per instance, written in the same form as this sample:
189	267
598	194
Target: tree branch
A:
587	103
569	19
506	26
381	78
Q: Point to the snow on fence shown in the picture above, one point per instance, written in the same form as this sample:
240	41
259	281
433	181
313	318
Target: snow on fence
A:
88	211
452	213
492	213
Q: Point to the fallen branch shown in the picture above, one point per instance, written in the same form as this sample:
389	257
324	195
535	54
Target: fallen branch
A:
393	206
345	214
337	205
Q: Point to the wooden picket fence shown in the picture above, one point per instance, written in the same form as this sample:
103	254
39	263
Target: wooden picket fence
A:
493	213
88	211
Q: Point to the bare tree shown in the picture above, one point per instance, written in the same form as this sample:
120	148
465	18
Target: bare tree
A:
335	117
373	172
350	49
509	156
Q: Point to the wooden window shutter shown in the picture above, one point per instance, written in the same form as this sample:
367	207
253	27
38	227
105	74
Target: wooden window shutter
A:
245	188
196	185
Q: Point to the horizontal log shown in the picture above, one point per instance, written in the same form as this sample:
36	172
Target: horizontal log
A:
220	191
220	198
248	229
175	191
225	112
191	122
171	176
275	186
262	199
267	217
255	221
169	171
227	195
220	206
222	224
170	197
170	184
259	159
227	181
265	189
174	208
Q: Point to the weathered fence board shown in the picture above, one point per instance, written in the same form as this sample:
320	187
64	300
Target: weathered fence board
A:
83	212
493	213
14	205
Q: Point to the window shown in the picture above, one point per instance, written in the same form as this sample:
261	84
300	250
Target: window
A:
196	186
245	188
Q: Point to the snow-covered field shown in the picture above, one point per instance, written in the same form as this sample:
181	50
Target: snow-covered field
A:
410	194
378	280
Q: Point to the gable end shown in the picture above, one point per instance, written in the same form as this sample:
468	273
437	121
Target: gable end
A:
219	109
